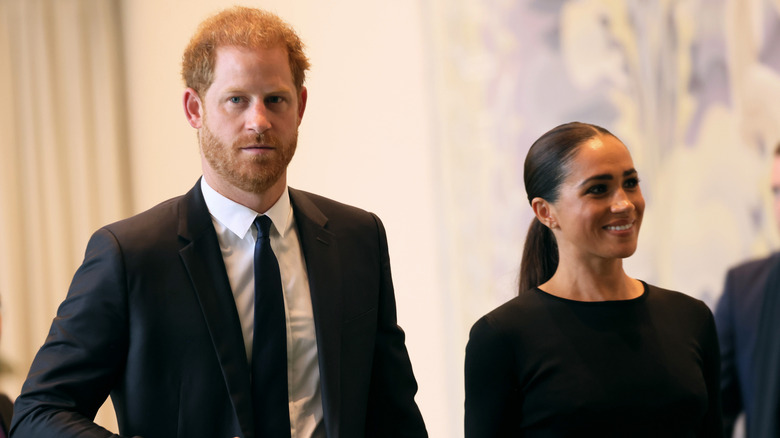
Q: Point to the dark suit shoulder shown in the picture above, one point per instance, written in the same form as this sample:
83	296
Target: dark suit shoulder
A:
183	216
334	216
326	205
756	267
744	287
145	231
166	211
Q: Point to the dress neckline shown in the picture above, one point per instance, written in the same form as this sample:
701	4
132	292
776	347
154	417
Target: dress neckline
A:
641	297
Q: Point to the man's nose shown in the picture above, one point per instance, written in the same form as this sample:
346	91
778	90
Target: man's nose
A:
258	118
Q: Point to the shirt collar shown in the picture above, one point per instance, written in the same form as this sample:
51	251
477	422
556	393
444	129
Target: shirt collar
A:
239	219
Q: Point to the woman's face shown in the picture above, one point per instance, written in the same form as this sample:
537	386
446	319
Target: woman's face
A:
600	206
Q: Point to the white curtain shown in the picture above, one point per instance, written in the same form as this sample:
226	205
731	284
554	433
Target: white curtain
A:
63	157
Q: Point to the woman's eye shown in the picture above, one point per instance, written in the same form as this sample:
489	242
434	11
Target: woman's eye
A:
632	183
598	189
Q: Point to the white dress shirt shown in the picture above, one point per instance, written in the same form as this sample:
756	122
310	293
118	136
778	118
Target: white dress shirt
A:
234	224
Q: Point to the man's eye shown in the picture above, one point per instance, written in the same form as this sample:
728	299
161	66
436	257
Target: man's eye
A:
274	99
235	99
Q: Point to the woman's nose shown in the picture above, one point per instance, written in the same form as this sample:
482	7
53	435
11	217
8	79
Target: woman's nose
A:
622	203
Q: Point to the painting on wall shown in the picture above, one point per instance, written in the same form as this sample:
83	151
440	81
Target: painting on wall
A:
691	87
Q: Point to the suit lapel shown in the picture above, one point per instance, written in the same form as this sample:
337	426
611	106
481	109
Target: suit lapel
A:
320	250
203	259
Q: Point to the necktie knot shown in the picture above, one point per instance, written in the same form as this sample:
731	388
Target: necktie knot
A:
263	224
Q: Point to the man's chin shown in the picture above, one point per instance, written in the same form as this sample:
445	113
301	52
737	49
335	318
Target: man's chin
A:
255	185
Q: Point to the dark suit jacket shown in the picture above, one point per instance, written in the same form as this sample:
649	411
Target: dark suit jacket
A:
737	318
150	319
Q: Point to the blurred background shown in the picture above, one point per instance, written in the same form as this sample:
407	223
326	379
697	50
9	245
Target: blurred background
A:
420	111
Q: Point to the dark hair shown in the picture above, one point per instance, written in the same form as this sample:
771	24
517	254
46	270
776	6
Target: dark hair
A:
546	166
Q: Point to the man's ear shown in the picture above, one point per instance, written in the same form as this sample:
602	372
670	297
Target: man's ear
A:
302	103
545	212
193	108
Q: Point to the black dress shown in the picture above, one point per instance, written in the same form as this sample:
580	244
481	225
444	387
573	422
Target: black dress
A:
544	366
6	413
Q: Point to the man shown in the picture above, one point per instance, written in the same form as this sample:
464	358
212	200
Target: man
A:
161	314
749	330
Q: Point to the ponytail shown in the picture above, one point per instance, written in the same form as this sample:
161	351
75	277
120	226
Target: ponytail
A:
540	256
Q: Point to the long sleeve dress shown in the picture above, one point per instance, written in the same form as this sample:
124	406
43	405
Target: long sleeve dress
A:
544	366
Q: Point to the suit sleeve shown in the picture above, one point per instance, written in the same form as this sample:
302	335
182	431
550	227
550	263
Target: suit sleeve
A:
712	425
84	352
729	380
392	411
489	382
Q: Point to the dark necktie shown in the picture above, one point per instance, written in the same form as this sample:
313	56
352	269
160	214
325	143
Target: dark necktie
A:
269	348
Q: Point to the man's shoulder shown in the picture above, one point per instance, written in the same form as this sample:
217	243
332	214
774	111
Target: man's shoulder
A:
158	216
164	220
755	267
746	282
311	203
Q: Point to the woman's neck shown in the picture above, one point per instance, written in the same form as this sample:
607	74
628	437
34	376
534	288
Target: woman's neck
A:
596	282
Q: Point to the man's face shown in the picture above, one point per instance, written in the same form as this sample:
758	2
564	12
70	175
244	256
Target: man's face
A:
251	114
776	188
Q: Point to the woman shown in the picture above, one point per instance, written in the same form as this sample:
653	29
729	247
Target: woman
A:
584	349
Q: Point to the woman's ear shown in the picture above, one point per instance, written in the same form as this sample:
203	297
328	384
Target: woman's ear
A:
545	212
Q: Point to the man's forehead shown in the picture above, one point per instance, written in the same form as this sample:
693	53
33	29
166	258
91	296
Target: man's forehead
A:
276	53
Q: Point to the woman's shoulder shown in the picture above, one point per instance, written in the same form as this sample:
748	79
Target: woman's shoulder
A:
519	310
675	304
523	303
503	327
671	296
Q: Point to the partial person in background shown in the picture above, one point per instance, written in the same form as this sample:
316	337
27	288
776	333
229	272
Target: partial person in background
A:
244	307
748	321
6	405
584	349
